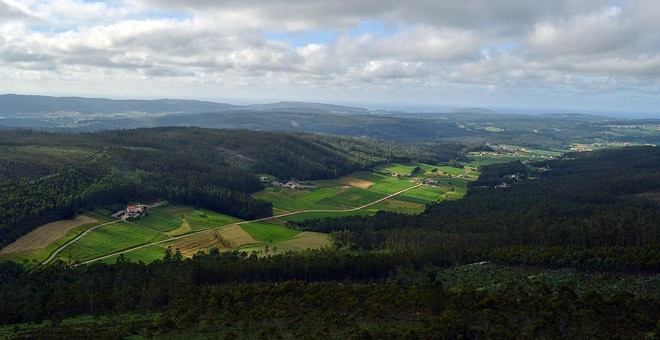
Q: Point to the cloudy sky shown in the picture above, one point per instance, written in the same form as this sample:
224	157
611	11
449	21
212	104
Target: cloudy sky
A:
570	55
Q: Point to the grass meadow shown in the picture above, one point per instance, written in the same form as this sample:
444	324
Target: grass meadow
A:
109	239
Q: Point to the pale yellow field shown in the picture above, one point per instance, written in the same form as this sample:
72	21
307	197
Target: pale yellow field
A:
305	240
392	203
46	234
182	229
356	182
224	239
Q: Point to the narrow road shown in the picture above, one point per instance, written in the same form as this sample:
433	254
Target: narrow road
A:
228	225
62	247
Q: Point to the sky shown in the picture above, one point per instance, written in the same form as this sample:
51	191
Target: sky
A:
562	55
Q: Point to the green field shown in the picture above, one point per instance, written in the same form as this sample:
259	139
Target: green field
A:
345	193
310	215
109	239
423	194
318	195
383	183
352	198
364	187
268	232
169	218
304	240
404	168
146	254
293	200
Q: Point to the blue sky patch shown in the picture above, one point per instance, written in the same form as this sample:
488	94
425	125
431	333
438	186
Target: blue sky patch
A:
295	40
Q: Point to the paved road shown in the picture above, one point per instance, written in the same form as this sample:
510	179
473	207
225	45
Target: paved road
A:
225	226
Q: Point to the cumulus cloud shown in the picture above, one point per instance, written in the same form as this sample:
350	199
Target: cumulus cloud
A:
10	12
490	46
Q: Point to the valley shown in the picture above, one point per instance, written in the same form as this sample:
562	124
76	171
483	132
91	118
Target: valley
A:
403	188
235	225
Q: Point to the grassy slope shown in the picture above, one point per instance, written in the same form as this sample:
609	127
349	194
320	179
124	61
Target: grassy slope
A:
109	239
170	218
334	194
268	232
331	195
41	254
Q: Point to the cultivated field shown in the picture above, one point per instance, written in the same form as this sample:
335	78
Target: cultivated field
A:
109	239
228	238
46	235
40	254
170	219
332	198
361	188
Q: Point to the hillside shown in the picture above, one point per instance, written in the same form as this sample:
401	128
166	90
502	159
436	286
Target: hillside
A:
567	251
50	176
12	105
555	131
594	210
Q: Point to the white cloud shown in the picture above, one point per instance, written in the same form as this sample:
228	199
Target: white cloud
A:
500	47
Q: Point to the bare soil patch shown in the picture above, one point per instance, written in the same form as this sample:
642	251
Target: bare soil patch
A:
46	234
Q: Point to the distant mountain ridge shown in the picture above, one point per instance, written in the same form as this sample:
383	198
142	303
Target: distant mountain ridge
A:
470	125
294	105
13	105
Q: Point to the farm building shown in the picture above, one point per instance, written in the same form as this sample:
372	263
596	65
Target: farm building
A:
134	211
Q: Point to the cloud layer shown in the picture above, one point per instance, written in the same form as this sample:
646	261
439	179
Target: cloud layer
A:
563	53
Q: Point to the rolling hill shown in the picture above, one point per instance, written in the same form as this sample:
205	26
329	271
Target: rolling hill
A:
558	131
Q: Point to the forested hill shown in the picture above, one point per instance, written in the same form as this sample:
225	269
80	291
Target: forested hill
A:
49	176
393	275
12	105
549	131
595	210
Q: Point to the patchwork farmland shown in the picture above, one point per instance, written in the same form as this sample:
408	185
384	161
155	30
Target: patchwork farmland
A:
403	188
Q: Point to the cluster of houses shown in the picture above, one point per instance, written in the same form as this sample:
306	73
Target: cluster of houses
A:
511	179
131	212
289	184
294	185
427	181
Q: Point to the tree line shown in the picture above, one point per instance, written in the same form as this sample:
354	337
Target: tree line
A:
585	202
67	174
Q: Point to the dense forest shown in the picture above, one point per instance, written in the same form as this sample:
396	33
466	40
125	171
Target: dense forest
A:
51	176
567	248
313	294
595	211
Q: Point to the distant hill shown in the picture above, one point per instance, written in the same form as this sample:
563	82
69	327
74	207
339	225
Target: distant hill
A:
470	125
288	105
20	105
472	110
